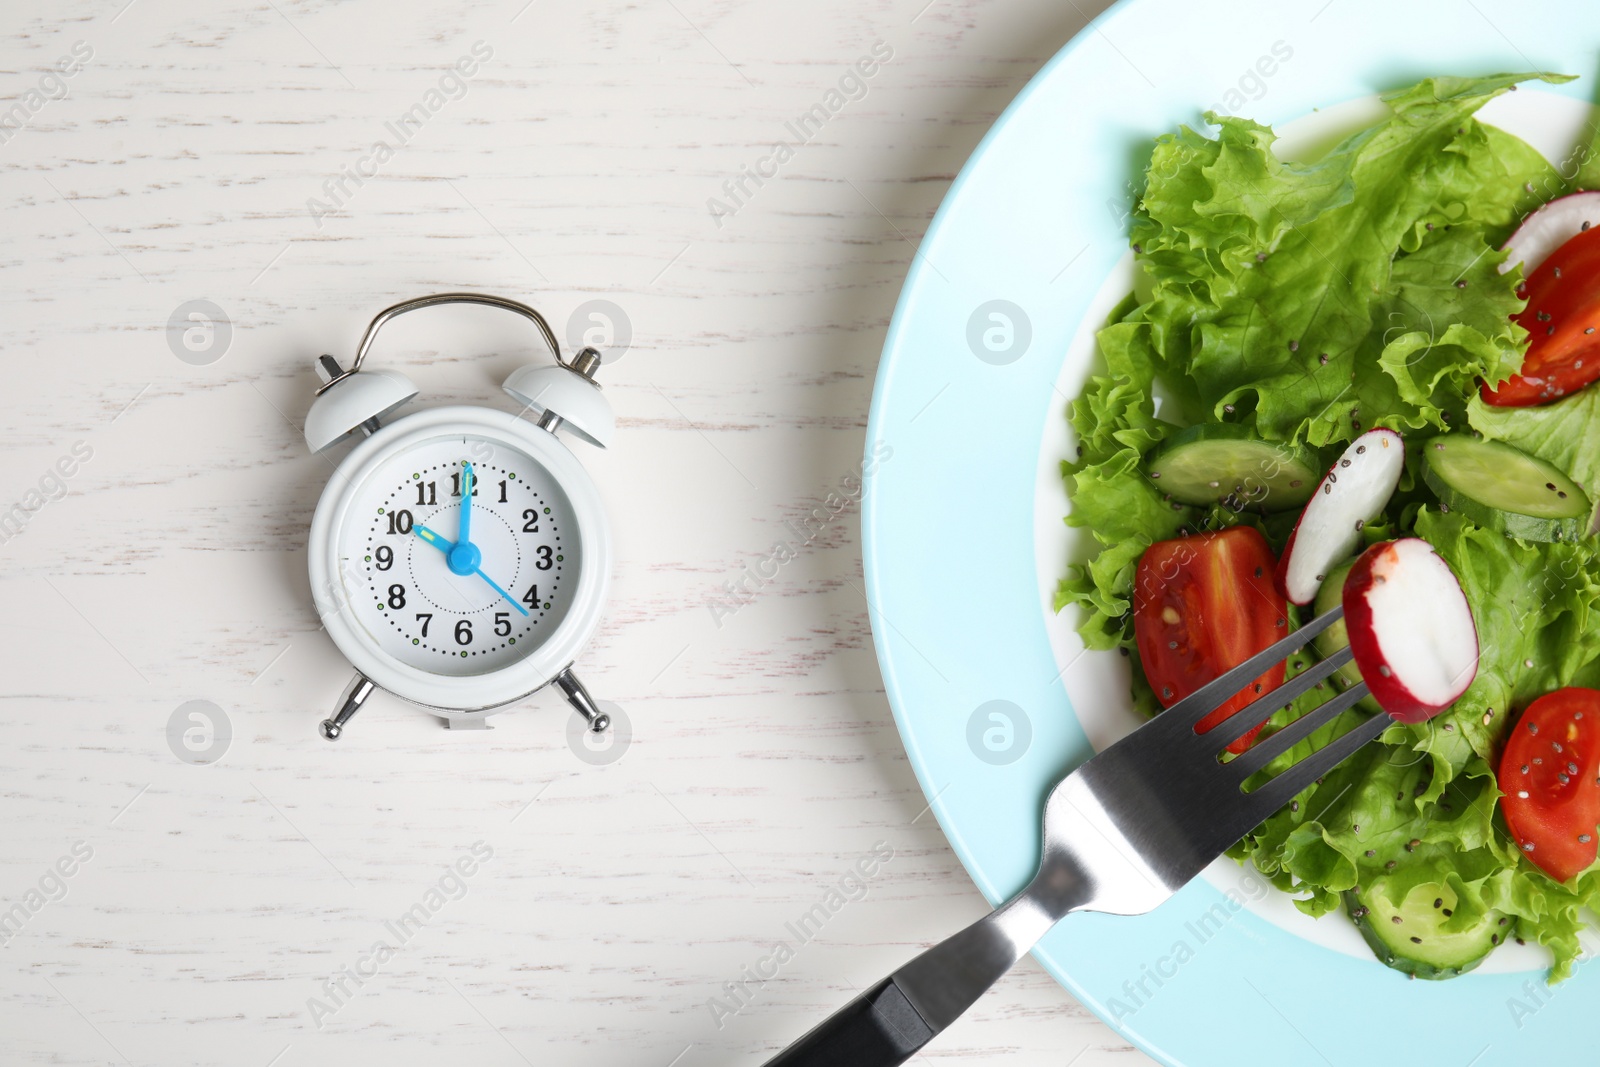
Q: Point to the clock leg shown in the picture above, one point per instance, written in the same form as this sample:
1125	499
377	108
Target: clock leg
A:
580	699
355	695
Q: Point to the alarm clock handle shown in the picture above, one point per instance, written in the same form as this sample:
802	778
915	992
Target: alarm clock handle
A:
580	699
355	695
434	300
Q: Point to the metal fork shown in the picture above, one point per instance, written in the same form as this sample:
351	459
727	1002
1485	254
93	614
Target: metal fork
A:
1122	833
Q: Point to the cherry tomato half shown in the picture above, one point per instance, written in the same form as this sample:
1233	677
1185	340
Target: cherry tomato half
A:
1547	773
1205	604
1563	323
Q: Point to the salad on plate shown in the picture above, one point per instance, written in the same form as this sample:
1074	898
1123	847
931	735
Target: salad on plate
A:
1329	366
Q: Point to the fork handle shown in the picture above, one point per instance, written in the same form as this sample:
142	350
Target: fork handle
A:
880	1028
886	1025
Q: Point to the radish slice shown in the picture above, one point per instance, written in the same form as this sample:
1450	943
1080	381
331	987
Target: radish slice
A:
1411	629
1349	496
1547	229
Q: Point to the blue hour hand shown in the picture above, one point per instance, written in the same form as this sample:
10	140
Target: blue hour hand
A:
443	544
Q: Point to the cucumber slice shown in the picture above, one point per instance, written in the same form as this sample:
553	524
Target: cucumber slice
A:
1221	463
1423	943
1505	489
1329	596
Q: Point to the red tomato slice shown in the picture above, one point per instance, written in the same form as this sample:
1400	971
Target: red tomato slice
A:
1563	322
1547	773
1205	604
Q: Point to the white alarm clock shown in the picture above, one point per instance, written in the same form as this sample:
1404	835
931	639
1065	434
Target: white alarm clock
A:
459	556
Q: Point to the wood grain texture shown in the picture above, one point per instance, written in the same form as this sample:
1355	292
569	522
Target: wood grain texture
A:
575	164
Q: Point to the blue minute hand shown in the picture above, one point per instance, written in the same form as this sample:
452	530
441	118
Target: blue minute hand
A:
502	592
464	530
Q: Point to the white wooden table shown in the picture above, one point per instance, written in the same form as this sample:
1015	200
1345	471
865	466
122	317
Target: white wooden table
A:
225	152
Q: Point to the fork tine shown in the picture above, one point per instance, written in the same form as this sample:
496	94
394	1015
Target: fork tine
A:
1198	704
1265	751
1278	792
1263	707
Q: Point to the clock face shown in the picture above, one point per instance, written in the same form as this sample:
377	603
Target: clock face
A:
458	554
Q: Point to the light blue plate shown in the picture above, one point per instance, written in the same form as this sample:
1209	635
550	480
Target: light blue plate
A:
1036	218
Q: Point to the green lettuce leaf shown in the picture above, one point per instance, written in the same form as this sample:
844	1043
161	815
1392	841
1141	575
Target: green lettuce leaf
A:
1124	512
1272	281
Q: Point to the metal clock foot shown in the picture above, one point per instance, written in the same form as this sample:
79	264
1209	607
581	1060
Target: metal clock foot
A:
355	695
580	699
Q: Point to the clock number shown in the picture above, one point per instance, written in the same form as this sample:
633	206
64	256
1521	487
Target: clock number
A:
427	493
503	491
544	563
531	597
464	632
455	485
385	556
424	618
530	520
502	623
400	522
397	596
